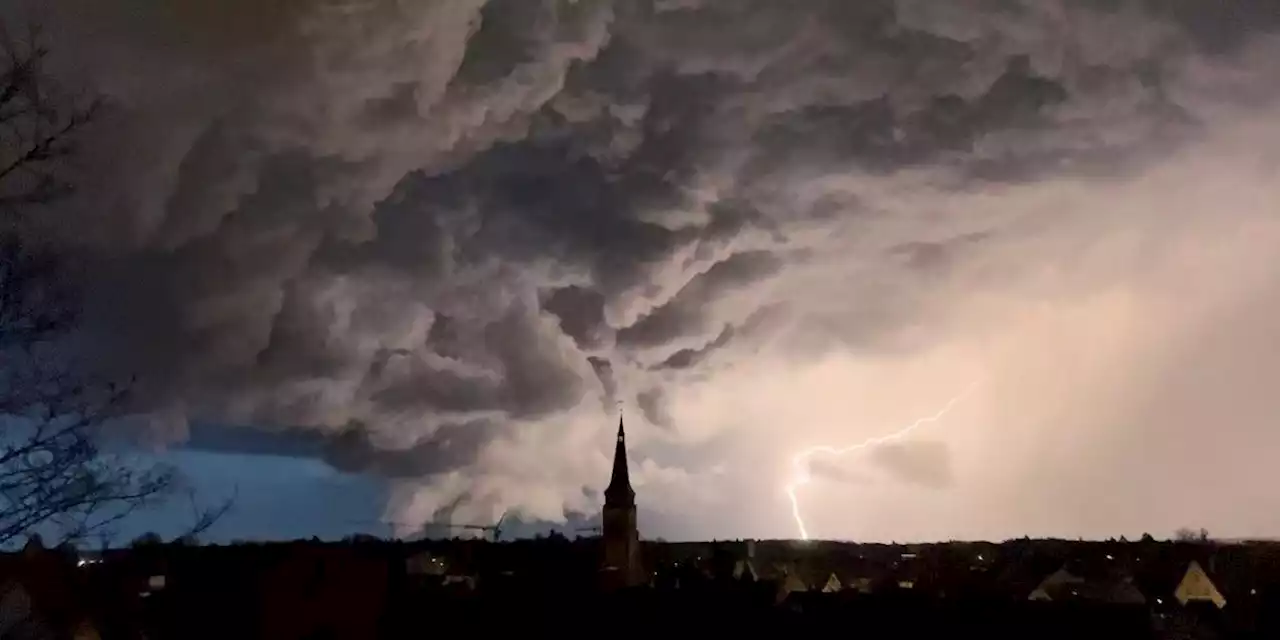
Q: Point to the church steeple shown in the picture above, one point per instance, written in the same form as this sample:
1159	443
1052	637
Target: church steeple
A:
620	536
619	492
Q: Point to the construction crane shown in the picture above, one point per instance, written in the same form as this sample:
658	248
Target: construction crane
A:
495	529
595	529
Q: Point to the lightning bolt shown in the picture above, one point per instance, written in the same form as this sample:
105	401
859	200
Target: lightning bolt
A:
800	461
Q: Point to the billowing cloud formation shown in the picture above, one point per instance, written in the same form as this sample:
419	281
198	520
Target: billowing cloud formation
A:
440	236
924	463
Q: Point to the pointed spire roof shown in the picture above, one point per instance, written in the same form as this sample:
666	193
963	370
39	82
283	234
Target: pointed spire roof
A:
619	491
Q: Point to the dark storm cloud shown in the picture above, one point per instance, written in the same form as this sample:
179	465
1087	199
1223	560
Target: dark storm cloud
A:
604	373
927	464
759	322
348	449
1219	29
581	314
352	450
653	407
685	358
685	313
420	229
293	444
834	471
936	256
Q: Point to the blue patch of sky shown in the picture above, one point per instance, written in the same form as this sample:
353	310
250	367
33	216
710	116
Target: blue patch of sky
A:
274	498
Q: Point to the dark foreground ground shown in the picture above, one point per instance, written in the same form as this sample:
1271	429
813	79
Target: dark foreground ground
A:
654	614
309	590
659	615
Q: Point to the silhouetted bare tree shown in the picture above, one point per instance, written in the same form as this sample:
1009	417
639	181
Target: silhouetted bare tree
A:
55	476
1187	534
38	124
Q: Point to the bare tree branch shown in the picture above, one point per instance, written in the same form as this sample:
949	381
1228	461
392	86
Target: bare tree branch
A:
39	123
204	517
55	477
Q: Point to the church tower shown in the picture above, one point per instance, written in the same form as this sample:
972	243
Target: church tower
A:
620	535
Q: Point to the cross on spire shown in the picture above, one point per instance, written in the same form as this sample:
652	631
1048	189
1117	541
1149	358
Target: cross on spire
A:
621	433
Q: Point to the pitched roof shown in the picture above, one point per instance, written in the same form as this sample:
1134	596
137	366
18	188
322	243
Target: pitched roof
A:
1059	578
1196	586
1125	592
745	570
792	582
862	585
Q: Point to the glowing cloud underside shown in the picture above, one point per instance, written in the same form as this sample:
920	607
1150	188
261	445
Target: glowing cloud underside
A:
800	461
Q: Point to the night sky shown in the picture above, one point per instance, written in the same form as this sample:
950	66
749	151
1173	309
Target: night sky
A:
274	497
403	261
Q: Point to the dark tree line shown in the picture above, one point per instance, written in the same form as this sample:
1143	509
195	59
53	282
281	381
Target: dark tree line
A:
56	477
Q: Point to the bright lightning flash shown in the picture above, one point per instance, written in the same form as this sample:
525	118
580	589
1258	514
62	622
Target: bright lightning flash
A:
800	461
